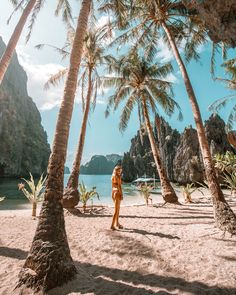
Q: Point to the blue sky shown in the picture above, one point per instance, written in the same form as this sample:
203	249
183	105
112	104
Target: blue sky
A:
103	136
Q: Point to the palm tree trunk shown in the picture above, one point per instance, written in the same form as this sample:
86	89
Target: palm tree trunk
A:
224	216
71	194
7	55
49	263
168	192
34	208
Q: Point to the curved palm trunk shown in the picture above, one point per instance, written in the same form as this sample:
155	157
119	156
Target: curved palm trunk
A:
224	216
168	192
49	263
71	194
7	55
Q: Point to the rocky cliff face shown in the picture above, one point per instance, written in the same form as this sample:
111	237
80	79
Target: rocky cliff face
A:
187	164
23	142
180	153
218	17
100	164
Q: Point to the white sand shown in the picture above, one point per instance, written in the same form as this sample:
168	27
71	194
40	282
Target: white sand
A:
162	250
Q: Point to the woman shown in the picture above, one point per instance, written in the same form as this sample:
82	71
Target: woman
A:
117	195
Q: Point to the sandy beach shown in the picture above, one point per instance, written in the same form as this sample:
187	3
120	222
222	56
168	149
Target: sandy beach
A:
161	250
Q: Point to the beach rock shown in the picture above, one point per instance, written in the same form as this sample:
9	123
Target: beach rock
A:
187	164
23	141
219	18
100	164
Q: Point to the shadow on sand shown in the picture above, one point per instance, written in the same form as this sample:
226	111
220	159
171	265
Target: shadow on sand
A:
102	280
13	253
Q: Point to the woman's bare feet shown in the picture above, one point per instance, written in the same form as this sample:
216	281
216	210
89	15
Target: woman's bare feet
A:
120	226
112	228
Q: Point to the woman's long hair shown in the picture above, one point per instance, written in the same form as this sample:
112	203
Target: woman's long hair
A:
114	173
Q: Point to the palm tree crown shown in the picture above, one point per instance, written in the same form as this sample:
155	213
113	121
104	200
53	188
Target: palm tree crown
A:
139	80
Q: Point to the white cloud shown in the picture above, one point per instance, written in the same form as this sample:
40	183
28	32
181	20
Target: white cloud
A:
164	53
38	75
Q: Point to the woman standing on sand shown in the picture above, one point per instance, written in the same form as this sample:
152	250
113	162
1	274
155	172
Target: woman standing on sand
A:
117	195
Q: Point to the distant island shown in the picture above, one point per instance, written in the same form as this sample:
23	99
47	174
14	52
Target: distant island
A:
100	165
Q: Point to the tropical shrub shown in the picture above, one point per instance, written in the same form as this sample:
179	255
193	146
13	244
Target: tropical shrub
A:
230	182
86	195
34	193
187	191
226	162
146	190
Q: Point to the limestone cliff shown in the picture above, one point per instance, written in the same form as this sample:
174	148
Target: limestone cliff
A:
23	141
180	153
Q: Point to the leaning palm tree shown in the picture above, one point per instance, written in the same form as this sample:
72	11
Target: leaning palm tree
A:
143	83
49	263
94	56
89	81
170	20
30	8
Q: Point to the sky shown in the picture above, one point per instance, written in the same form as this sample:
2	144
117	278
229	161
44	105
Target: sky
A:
103	136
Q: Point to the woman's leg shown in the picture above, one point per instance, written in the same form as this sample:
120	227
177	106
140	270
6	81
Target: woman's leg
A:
117	204
114	219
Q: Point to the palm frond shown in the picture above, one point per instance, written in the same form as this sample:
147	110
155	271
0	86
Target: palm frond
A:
38	6
63	7
55	79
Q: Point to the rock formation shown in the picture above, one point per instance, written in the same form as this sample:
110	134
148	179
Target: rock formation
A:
187	165
180	153
100	164
168	143
218	17
23	141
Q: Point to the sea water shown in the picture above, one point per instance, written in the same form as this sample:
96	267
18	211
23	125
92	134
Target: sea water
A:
14	199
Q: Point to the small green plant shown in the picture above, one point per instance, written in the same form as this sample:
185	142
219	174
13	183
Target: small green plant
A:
85	195
230	182
34	193
146	190
187	191
225	163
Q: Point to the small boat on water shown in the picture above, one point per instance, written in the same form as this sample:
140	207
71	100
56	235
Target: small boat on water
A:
154	184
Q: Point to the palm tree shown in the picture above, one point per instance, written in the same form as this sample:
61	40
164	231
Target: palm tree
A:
93	58
32	8
49	263
150	20
143	84
230	69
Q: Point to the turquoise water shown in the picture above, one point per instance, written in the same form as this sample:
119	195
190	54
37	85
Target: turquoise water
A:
16	200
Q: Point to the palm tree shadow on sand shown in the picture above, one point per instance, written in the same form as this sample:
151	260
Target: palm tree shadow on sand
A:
102	280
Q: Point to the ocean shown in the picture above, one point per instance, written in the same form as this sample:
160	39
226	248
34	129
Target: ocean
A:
14	199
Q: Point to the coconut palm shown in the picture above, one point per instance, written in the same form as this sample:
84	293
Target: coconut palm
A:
230	69
49	263
30	7
142	83
93	57
169	20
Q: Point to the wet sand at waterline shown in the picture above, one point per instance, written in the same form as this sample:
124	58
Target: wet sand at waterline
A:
162	250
